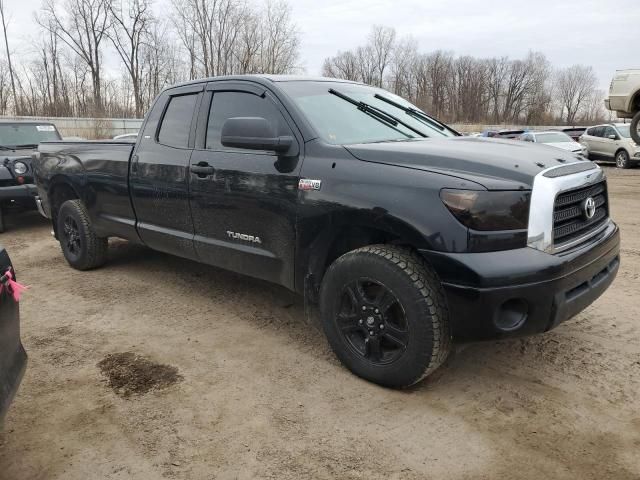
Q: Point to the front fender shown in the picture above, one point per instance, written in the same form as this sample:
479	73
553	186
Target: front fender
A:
402	204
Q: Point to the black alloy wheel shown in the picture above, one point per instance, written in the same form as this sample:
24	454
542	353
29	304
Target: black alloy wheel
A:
385	314
71	236
82	248
373	322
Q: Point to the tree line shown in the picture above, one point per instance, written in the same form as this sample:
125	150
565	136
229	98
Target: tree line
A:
496	90
65	73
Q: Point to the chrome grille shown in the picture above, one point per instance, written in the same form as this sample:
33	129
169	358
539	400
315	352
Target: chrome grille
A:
569	219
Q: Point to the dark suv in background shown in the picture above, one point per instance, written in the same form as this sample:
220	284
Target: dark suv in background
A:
18	141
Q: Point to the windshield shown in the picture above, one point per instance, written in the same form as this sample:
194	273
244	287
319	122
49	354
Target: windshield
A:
341	123
558	137
17	134
624	130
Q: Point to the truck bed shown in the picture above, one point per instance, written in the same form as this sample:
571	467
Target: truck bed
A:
97	172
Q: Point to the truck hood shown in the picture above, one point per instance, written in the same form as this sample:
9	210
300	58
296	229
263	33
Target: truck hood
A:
493	163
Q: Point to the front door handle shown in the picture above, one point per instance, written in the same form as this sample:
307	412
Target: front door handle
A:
202	169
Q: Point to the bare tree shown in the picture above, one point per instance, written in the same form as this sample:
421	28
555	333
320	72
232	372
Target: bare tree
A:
574	86
4	88
280	39
9	65
229	36
344	65
162	64
382	41
129	33
82	28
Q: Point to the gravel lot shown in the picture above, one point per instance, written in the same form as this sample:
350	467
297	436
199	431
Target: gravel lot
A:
157	367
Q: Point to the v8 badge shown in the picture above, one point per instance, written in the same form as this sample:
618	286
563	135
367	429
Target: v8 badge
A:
308	184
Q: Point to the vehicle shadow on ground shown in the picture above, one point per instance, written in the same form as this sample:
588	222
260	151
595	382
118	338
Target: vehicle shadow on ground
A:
491	360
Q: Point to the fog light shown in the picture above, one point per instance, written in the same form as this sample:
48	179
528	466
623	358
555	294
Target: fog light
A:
511	315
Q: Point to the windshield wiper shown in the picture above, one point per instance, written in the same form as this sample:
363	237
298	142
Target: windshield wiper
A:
28	145
376	113
417	114
2	147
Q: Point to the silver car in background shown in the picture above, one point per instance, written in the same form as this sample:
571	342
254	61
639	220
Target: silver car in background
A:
613	143
555	139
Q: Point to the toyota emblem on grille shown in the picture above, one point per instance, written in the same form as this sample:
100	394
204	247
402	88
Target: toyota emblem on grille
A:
589	208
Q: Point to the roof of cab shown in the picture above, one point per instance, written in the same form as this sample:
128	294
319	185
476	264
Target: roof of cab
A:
264	78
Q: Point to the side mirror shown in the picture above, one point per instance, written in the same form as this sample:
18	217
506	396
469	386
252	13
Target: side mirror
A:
612	137
253	133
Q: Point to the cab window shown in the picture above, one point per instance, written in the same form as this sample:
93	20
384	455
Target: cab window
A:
176	123
225	105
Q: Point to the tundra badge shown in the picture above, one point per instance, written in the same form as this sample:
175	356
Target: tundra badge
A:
243	236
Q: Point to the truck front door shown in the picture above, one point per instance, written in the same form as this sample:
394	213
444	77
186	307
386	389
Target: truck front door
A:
159	172
244	202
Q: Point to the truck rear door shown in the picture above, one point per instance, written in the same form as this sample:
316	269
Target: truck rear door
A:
159	172
244	206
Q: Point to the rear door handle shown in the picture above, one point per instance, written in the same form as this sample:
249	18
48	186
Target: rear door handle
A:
202	169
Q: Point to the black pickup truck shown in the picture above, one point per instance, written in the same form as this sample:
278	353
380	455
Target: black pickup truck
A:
405	234
18	141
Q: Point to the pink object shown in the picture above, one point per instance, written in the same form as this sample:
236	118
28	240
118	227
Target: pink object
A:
14	288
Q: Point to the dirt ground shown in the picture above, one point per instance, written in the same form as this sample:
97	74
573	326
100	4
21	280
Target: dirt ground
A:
157	367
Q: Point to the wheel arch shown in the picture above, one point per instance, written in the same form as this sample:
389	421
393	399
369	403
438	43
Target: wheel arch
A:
347	233
60	190
634	104
622	149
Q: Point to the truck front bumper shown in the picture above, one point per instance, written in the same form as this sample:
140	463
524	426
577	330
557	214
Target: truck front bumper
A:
19	193
524	291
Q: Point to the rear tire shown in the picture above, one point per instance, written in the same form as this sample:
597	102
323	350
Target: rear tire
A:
622	159
385	316
635	122
81	247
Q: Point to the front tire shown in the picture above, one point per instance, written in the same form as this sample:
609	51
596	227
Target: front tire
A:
622	159
385	316
81	247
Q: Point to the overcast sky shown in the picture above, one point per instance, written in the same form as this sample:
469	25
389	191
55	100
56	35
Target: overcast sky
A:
604	34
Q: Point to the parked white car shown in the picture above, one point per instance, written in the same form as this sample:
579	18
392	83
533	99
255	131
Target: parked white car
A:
611	142
555	139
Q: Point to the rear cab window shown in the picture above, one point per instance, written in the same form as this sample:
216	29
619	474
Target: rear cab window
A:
176	123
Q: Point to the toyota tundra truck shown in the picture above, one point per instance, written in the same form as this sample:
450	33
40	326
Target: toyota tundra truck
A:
402	234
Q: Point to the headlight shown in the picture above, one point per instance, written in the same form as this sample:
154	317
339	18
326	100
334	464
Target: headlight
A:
488	211
20	168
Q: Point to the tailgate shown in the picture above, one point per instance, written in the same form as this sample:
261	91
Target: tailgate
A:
12	355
